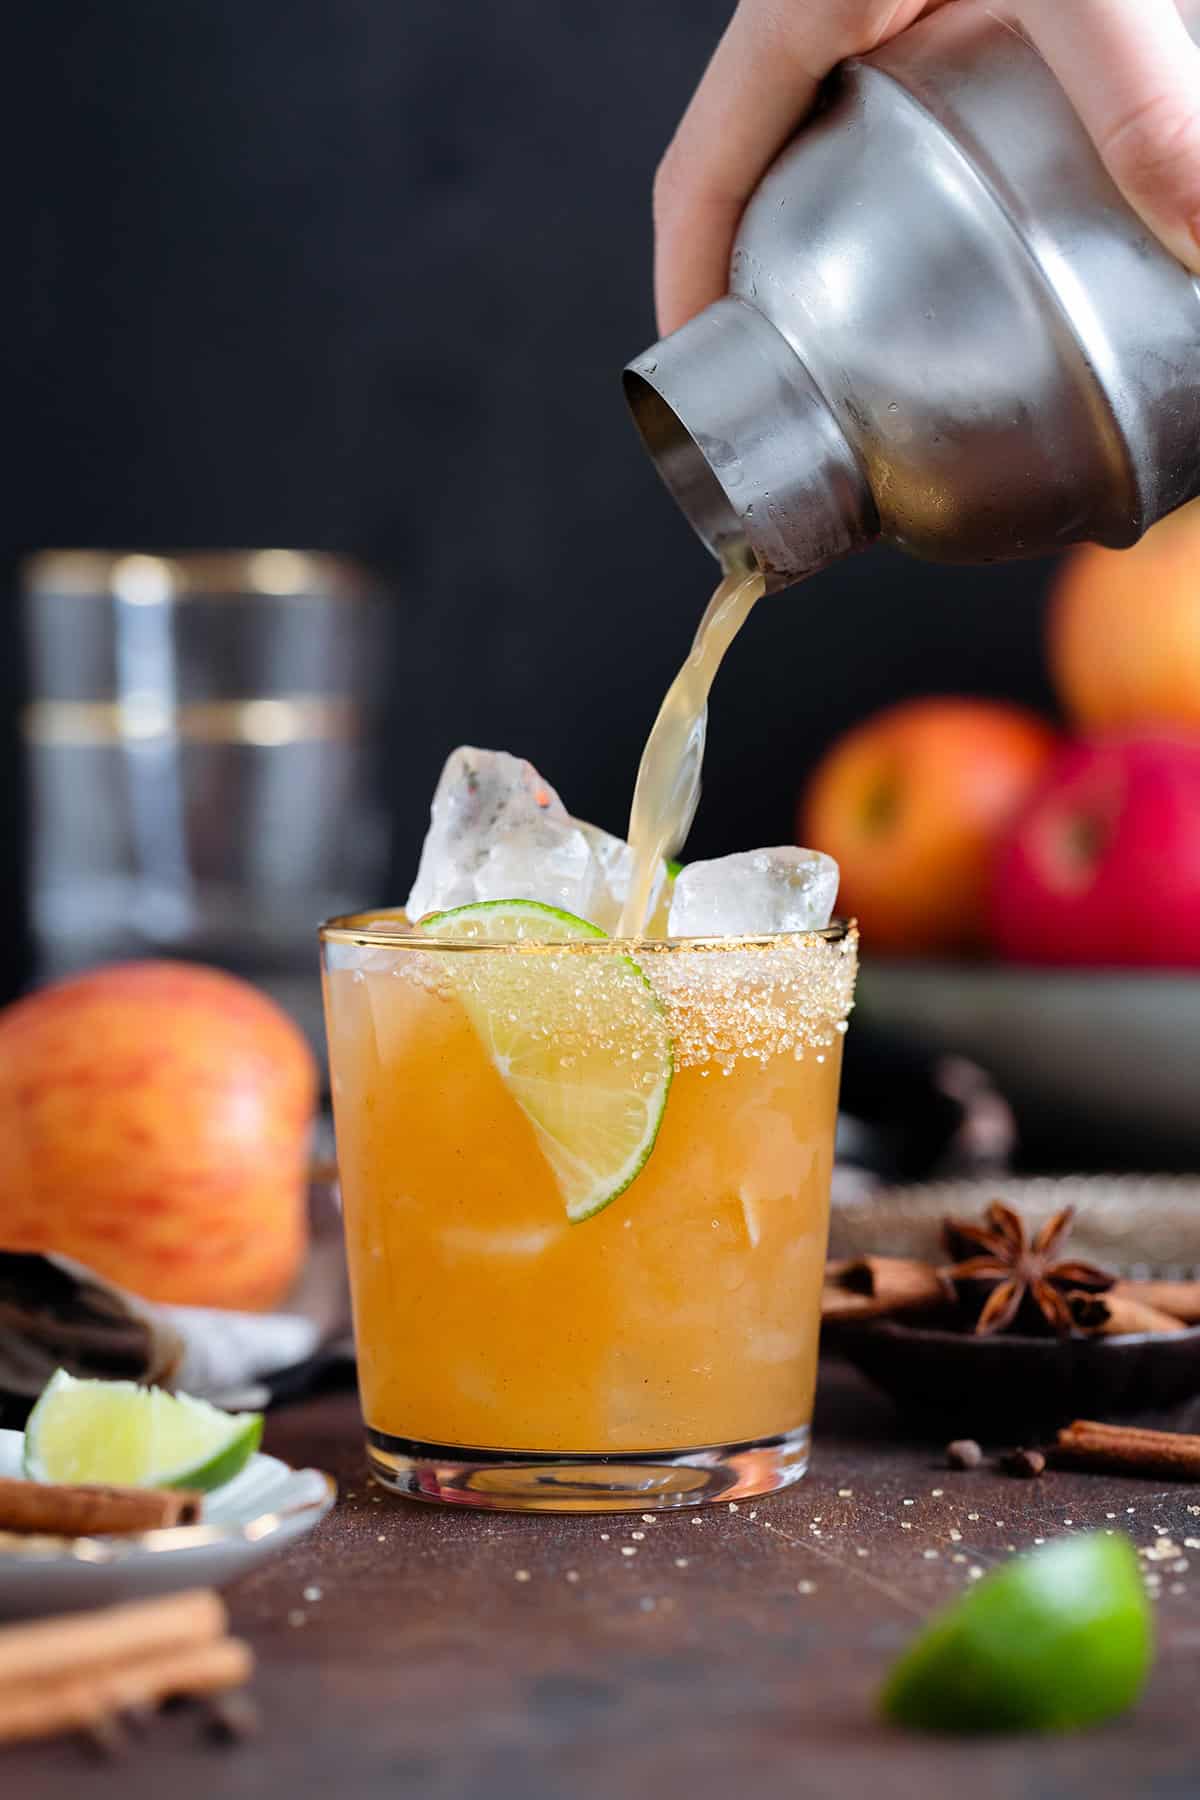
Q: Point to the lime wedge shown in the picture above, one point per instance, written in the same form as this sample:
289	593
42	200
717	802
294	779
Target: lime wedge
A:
1058	1639
580	1041
128	1436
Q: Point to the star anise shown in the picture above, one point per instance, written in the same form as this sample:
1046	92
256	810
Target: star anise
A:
1000	1251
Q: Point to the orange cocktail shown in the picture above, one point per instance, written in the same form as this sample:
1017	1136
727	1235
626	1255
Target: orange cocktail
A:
586	1203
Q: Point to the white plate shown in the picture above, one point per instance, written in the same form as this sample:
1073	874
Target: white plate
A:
258	1512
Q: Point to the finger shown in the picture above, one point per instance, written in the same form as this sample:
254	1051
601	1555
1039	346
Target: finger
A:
761	81
1133	75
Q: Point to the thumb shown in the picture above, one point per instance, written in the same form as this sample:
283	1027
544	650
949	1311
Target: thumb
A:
1132	73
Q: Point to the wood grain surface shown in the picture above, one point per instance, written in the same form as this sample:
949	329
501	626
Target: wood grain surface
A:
414	1651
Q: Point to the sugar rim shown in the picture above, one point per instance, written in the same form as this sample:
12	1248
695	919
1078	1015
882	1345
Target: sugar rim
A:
347	929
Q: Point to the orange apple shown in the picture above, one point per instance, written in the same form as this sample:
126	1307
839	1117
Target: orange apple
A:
912	804
1124	629
154	1125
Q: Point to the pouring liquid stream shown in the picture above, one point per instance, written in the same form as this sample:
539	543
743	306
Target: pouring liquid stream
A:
668	782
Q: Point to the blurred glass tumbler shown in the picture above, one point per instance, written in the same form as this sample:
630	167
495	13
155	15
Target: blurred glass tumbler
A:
199	750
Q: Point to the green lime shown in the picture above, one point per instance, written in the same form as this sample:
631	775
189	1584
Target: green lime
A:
128	1436
580	1041
509	922
1057	1639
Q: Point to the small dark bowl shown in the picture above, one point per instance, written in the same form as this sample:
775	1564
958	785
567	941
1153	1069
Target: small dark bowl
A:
952	1384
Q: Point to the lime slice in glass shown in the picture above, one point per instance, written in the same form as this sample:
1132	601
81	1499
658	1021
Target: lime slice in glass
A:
580	1041
1058	1639
123	1435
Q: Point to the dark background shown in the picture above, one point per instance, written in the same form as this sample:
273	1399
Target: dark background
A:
359	275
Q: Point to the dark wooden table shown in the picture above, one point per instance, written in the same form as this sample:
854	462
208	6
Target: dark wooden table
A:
407	1650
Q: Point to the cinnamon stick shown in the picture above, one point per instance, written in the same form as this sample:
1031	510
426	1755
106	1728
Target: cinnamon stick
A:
870	1287
1118	1314
838	1303
1129	1450
93	1511
82	1642
1179	1298
84	1698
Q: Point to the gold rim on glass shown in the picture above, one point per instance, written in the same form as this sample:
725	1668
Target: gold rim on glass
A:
350	929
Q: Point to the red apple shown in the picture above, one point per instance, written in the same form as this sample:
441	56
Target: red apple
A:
154	1125
1102	867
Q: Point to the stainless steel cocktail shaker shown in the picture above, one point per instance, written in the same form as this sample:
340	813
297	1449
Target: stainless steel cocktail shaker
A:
944	328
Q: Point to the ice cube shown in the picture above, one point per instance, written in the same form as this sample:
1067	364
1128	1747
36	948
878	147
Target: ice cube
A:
615	861
499	832
541	859
754	893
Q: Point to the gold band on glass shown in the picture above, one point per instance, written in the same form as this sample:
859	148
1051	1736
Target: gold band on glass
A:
145	718
147	580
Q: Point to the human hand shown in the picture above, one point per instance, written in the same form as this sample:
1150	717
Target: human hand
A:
1128	66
